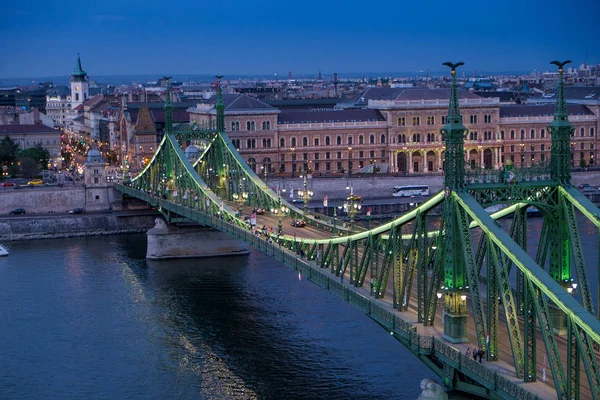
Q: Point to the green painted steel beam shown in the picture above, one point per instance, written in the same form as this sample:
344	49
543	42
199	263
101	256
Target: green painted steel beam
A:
582	318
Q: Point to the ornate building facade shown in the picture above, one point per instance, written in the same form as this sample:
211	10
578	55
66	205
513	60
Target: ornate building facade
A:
397	130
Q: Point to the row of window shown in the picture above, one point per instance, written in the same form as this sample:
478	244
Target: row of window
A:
338	154
430	120
542	134
250	125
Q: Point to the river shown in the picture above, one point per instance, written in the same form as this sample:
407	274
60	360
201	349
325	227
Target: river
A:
91	318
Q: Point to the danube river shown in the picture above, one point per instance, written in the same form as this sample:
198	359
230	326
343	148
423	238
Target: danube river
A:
90	318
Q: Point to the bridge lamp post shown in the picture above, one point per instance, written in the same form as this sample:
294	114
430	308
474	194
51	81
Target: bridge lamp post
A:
305	194
280	213
264	168
352	205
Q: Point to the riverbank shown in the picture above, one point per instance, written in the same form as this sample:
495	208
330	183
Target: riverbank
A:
61	226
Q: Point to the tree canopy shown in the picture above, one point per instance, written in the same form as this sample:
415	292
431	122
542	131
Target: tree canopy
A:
38	153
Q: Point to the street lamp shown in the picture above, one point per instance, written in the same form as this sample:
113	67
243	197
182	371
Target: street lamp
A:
352	205
305	195
280	212
264	167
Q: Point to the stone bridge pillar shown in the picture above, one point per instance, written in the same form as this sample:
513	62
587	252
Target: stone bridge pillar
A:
196	241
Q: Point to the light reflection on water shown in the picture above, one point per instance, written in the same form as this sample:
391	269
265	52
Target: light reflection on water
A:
89	317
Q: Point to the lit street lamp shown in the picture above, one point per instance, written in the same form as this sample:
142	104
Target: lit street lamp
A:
352	205
305	195
280	212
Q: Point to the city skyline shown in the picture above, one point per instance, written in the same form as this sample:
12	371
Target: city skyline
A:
42	39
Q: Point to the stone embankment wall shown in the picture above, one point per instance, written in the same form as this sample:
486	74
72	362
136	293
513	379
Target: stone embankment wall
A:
55	199
28	228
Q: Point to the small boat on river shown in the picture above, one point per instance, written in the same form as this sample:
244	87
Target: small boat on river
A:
3	251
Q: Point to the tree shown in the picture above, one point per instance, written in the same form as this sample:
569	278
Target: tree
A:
582	163
8	151
38	153
29	167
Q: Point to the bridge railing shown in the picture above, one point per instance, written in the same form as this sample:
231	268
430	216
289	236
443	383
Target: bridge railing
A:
379	311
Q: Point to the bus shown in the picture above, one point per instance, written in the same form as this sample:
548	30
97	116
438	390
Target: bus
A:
406	191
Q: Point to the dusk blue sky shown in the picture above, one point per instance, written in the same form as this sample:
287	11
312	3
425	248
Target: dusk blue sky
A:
42	38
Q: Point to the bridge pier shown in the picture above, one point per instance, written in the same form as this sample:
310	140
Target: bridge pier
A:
165	242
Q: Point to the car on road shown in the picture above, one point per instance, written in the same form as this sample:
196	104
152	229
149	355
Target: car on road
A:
35	182
584	185
7	184
298	223
296	201
259	211
588	189
76	211
18	211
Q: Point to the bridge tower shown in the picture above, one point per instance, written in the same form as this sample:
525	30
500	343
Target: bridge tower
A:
221	165
455	284
561	237
168	107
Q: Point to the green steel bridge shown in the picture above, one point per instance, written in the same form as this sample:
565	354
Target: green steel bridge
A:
461	262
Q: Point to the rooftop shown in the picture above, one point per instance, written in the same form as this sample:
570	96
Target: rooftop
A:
26	129
539	110
315	117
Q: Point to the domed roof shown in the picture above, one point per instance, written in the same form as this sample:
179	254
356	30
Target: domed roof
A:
192	153
94	156
191	150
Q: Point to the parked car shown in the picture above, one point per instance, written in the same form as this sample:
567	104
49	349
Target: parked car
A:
18	211
7	184
35	182
298	223
76	211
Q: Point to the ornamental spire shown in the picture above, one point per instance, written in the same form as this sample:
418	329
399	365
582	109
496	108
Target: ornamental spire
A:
560	111
453	132
79	72
220	106
168	108
561	129
453	110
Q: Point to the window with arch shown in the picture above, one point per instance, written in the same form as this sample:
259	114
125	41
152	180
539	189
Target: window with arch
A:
416	137
339	140
349	139
402	121
293	143
361	139
382	138
431	120
236	143
250	125
542	133
281	142
401	138
591	131
416	121
532	134
522	133
235	125
250	143
512	134
266	125
582	132
304	141
473	118
372	139
316	140
443	120
327	141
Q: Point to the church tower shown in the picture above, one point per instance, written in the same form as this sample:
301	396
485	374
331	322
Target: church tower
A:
79	85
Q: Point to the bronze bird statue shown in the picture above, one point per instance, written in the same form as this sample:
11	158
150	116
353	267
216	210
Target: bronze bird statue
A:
453	66
560	65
